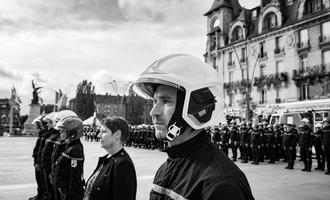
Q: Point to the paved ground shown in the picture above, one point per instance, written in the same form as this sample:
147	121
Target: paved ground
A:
267	181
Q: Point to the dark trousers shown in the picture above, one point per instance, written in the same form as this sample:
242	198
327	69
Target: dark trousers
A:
306	156
290	155
327	156
256	153
39	179
49	187
244	153
234	150
224	148
271	152
320	157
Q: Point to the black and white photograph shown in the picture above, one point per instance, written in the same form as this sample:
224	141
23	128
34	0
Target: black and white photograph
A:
165	99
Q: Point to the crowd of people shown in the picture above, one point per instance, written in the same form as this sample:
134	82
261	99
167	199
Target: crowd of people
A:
258	142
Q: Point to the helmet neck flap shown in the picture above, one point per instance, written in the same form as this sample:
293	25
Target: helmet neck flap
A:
177	124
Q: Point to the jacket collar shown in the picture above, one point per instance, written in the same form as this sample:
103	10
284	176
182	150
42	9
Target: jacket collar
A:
186	148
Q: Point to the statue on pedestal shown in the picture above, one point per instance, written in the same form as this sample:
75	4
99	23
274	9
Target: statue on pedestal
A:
35	93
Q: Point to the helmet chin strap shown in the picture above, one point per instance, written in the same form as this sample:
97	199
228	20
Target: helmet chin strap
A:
177	124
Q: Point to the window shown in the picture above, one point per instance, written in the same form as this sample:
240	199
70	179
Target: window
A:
237	34
254	13
243	55
262	68
230	58
326	57
262	53
231	76
244	73
214	62
303	37
269	22
304	63
216	23
325	36
279	44
231	99
305	91
279	66
312	6
262	96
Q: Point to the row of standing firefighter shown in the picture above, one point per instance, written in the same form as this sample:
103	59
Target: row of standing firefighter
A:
259	141
141	136
59	156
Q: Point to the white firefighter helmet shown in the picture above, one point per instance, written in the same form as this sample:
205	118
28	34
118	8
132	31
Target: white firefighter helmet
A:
305	120
38	119
64	113
203	100
50	118
318	125
73	125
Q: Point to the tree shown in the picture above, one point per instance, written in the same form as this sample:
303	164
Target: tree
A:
85	99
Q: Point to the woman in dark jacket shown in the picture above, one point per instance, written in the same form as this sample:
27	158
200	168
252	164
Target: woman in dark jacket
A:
114	177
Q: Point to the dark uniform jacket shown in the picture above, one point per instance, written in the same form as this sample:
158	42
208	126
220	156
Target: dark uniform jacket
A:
46	134
69	171
245	136
305	136
289	139
197	169
48	149
225	135
270	137
326	136
116	180
234	134
59	148
216	136
36	147
255	137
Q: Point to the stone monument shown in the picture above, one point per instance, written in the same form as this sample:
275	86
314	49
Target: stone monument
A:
29	127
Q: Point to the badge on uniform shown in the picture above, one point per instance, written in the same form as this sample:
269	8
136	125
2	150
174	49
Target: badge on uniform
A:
73	163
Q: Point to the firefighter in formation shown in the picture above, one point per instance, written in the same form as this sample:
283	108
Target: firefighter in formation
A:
258	142
59	156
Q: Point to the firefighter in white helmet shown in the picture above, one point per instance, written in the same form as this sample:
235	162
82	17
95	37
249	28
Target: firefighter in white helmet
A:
187	97
68	173
305	143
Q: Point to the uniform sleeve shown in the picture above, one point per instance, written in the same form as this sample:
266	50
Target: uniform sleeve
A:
35	151
124	182
226	190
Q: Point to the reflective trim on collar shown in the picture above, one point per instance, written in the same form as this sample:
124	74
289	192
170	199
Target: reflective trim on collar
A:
167	192
71	158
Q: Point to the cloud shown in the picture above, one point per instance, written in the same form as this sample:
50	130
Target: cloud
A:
55	14
10	74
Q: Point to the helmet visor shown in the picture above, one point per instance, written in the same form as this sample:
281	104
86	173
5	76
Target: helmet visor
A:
146	87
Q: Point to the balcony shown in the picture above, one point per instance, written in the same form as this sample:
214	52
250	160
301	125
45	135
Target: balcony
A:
235	86
262	56
277	80
212	46
311	74
279	51
324	41
303	46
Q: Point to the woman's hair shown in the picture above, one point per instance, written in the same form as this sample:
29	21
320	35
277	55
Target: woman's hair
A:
115	124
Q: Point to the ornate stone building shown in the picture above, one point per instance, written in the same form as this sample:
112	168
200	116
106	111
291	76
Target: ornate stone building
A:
278	53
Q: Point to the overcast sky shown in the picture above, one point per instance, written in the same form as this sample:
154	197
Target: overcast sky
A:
59	43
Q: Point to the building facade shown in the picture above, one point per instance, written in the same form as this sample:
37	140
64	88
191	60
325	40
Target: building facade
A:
278	53
5	116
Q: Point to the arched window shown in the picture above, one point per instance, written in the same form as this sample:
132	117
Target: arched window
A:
216	23
270	22
237	34
312	6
